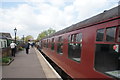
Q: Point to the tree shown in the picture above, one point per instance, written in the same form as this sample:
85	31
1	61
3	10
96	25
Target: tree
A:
29	37
45	33
17	38
50	31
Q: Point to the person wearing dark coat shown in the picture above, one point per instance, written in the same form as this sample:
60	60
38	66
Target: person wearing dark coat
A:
27	46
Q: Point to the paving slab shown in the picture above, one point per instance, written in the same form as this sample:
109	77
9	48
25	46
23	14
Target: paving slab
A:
24	66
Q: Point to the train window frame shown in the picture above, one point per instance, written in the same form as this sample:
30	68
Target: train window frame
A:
118	32
103	63
115	31
74	47
98	35
104	37
53	44
107	49
60	45
47	43
73	37
43	43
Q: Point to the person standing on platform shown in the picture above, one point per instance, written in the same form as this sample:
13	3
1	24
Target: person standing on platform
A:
13	45
27	46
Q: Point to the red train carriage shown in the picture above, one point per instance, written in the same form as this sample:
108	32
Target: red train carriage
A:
89	49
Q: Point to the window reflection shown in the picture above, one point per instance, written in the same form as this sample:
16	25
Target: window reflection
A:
60	45
74	47
52	44
107	59
119	35
74	51
100	35
110	34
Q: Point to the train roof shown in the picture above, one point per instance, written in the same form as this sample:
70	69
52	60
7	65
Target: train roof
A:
102	17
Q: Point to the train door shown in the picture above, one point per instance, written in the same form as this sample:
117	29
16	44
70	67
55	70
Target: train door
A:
107	52
75	46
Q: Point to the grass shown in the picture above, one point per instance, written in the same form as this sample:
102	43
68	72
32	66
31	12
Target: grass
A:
6	59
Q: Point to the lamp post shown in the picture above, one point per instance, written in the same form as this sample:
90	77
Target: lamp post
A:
15	30
23	38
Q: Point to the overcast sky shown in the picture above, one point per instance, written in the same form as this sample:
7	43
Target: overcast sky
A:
31	17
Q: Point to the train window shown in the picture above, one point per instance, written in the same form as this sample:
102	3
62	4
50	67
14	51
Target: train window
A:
47	43
52	44
110	34
107	59
74	51
79	37
75	38
71	38
60	48
119	35
100	35
60	39
44	43
74	48
60	45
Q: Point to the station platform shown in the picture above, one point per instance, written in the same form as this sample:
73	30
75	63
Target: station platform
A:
32	65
